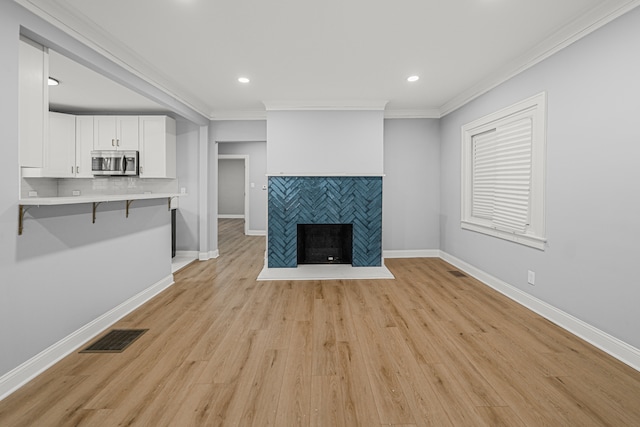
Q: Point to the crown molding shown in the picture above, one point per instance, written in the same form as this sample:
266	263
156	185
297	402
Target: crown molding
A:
238	115
62	16
432	113
340	105
569	34
262	114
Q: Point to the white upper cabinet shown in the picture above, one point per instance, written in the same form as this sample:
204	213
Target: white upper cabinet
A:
60	149
84	145
68	147
157	147
115	133
34	102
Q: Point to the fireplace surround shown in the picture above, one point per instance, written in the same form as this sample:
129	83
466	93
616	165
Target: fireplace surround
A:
355	200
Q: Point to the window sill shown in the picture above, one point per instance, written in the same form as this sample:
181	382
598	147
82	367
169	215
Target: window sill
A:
523	239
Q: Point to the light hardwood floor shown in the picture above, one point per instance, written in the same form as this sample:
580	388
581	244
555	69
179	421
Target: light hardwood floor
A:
426	349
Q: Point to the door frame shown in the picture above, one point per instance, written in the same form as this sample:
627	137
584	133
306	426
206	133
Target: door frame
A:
247	187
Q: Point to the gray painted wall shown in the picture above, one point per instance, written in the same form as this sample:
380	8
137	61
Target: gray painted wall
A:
238	131
231	187
257	152
589	268
411	185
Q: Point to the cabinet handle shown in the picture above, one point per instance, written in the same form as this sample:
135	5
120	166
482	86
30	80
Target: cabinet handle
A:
113	142
117	143
71	169
77	169
140	170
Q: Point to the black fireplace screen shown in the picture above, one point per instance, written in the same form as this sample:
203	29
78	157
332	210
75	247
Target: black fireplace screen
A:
325	243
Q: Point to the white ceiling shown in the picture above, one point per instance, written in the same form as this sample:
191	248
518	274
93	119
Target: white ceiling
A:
82	90
314	53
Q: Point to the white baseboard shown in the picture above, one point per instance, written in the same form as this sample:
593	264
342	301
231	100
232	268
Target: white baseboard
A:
17	377
189	254
204	256
605	342
230	216
416	253
20	375
256	232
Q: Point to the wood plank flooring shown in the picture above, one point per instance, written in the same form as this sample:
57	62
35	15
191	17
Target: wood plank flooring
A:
426	349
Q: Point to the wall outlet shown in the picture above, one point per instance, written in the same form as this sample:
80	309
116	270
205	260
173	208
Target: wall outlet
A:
531	277
264	187
183	190
76	192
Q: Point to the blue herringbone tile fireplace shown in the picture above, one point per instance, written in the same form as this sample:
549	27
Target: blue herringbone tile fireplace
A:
297	200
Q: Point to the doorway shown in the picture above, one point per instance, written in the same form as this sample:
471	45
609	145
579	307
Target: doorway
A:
233	187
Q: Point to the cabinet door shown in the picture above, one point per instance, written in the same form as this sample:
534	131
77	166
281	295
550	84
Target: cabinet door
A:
104	133
60	148
84	145
128	133
157	147
34	102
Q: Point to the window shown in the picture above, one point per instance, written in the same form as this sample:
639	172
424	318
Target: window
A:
503	166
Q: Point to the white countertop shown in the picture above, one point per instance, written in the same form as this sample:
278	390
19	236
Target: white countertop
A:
93	198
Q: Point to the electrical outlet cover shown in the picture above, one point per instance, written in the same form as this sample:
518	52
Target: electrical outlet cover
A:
531	277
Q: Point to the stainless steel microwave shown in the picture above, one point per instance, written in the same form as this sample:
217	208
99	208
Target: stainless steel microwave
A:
114	163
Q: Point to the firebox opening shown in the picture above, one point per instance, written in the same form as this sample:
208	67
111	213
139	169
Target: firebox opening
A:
325	243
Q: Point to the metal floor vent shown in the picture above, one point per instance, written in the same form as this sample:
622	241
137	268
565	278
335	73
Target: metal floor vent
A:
457	273
115	341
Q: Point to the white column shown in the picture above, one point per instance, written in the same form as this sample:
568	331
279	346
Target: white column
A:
213	201
203	184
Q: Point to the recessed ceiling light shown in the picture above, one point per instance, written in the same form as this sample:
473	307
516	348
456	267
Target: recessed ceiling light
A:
243	80
53	82
413	78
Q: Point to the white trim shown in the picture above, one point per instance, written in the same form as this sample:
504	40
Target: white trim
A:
315	105
247	185
432	113
413	253
605	342
238	115
182	259
190	254
325	272
17	377
429	113
533	109
567	35
523	239
205	256
204	227
257	233
230	216
327	174
79	27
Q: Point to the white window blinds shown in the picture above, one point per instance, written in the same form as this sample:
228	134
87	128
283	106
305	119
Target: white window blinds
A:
501	175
